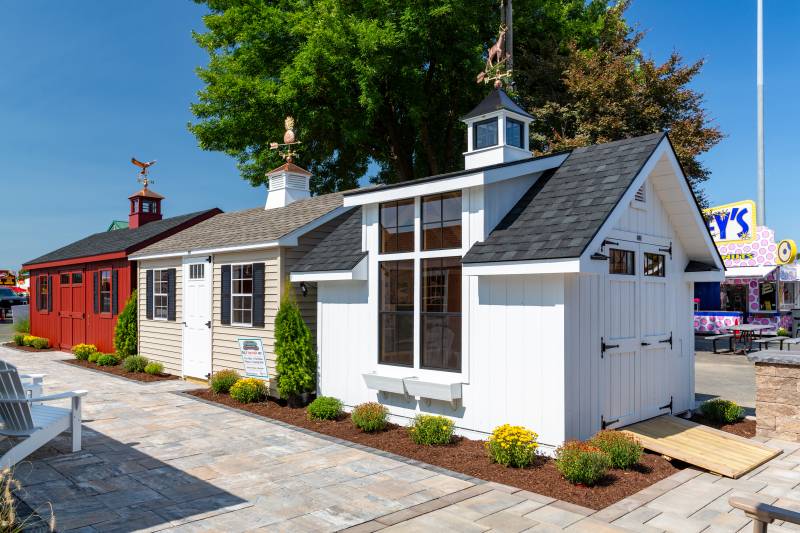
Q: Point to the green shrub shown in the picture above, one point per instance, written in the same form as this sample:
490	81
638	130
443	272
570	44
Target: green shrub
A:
296	362
513	446
135	363
222	381
721	411
324	408
83	351
40	343
370	416
581	463
93	357
431	430
154	368
107	359
623	450
19	339
783	332
126	332
23	326
248	390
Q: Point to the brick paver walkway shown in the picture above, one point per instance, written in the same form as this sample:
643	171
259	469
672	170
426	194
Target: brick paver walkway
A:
156	460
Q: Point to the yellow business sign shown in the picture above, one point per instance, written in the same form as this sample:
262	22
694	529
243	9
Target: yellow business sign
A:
787	251
731	223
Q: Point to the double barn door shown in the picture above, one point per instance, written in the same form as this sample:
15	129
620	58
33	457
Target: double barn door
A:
72	308
637	346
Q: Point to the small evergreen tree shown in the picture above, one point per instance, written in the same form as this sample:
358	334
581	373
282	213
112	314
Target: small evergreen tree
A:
296	361
126	332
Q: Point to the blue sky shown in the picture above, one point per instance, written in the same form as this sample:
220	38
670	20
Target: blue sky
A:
85	86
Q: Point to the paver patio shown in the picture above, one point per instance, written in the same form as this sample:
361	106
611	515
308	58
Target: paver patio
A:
156	460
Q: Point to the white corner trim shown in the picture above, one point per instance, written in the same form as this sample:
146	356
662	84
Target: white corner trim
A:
357	273
717	276
477	177
510	268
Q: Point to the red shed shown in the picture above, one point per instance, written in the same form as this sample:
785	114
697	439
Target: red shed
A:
77	291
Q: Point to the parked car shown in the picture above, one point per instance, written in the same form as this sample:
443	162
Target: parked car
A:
8	299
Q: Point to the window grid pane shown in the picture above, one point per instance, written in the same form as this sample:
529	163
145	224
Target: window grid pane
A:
242	294
440	315
441	221
105	291
160	294
396	313
622	262
397	226
485	134
654	265
514	129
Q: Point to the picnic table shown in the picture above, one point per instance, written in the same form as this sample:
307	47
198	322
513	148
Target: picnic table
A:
745	333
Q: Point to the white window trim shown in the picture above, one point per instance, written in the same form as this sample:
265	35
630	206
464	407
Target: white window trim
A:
155	293
234	294
417	256
101	291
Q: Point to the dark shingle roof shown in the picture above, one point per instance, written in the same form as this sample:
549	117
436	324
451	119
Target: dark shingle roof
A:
698	266
564	209
496	100
119	240
340	250
250	226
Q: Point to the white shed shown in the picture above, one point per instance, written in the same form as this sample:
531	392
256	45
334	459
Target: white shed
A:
552	292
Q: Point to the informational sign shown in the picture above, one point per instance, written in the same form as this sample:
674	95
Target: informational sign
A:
787	252
7	278
731	223
255	362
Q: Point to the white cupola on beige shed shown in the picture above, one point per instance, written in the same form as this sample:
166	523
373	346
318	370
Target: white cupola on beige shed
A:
287	183
497	131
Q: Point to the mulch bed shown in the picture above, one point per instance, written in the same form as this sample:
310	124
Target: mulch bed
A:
744	428
14	346
119	370
469	457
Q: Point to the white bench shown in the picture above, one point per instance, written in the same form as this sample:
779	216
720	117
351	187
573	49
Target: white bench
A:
722	336
790	341
765	341
24	416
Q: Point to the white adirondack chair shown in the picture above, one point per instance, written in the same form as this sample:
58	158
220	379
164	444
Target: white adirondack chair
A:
25	416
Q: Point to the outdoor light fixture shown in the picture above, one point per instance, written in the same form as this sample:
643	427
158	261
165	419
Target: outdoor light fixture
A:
303	288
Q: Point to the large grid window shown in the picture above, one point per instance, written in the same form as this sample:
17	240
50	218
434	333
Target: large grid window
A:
396	313
514	132
484	134
440	314
441	221
160	293
44	292
622	262
105	291
242	294
397	226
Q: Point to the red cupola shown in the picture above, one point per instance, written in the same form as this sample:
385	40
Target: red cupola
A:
145	207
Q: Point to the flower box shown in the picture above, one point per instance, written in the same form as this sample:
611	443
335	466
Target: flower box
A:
448	392
384	383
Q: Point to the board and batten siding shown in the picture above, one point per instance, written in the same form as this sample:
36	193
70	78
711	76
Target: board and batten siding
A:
162	340
224	338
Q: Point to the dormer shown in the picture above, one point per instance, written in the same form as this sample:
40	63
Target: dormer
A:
497	131
145	207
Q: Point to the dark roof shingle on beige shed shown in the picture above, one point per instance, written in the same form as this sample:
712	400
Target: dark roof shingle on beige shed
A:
247	227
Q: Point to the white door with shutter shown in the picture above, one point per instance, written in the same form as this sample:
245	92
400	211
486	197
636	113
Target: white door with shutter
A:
638	365
197	317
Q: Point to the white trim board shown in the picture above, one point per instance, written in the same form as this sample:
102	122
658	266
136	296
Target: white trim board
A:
357	273
510	268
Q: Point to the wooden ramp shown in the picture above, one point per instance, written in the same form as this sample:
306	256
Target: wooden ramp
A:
714	450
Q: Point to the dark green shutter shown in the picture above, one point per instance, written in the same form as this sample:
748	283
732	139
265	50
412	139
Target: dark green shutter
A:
149	295
114	293
226	295
258	295
96	294
171	294
38	297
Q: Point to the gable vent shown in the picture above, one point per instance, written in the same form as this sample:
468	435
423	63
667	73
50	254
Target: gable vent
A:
641	195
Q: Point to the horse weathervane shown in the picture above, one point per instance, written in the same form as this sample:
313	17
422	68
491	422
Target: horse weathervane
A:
289	142
143	179
499	58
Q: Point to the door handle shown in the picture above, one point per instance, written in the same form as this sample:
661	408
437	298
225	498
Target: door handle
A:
645	344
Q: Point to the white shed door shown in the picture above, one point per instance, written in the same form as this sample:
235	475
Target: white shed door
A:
197	318
637	357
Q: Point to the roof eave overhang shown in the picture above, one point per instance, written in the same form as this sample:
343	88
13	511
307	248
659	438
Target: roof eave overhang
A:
708	276
75	261
479	176
357	273
568	265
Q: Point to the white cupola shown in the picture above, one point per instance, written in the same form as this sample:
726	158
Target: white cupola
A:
287	183
497	131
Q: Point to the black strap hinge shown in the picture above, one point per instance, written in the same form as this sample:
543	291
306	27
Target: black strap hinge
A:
604	347
605	423
606	242
669	340
668	405
668	250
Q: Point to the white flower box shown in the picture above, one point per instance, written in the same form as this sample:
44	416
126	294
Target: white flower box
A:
449	392
384	383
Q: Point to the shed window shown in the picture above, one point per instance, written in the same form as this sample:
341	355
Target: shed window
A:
621	262
767	296
441	221
77	278
654	265
197	271
484	134
396	313
63	279
105	291
514	132
440	314
242	294
44	293
160	293
397	226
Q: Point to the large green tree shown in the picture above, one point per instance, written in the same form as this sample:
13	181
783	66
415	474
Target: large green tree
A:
373	80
